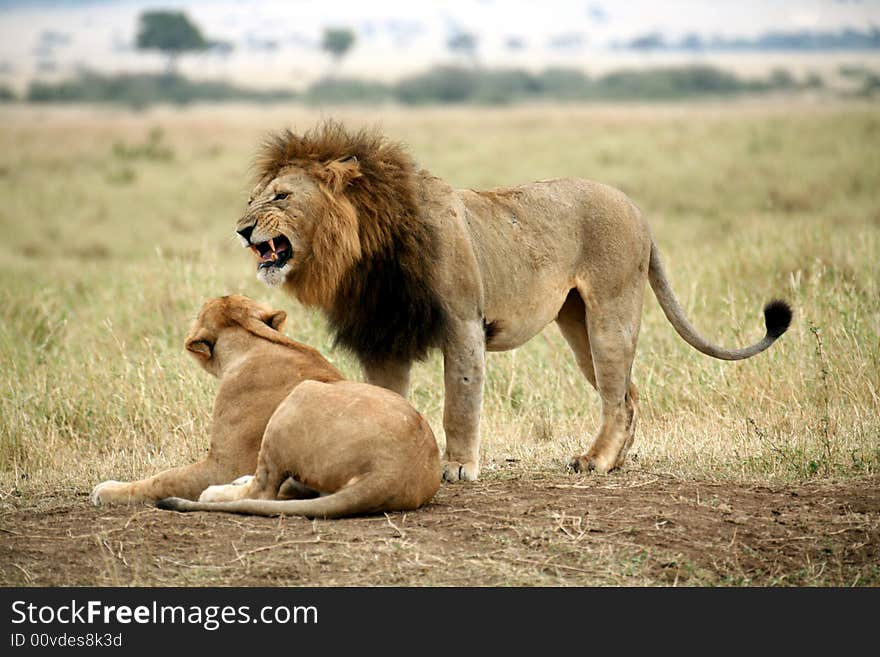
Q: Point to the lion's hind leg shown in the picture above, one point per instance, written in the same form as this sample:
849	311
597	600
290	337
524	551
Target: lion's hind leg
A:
612	329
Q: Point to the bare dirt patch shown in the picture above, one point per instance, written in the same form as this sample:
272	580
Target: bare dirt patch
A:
634	528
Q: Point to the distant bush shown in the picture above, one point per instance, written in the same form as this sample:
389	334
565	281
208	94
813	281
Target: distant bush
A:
441	85
453	84
870	85
565	84
460	85
501	86
782	79
347	90
504	86
868	80
667	83
445	84
6	95
813	81
142	90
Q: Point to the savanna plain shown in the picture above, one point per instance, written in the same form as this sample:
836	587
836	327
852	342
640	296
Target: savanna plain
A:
117	225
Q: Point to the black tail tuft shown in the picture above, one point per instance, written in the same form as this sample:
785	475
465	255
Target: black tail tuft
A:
777	317
169	504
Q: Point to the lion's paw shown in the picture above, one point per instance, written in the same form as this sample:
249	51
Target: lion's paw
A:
455	471
109	492
243	480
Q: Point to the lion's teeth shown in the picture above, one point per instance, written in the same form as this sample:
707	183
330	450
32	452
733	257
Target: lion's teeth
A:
272	245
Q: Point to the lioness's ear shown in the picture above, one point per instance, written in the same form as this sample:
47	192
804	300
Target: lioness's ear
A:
200	344
338	173
276	319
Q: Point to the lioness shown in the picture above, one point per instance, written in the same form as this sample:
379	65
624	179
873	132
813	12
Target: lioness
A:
284	411
400	262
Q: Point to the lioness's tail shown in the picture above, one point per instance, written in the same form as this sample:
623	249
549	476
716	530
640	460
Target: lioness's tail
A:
351	500
777	317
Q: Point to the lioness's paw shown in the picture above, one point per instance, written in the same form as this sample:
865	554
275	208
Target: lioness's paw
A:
589	463
455	471
244	479
220	493
110	492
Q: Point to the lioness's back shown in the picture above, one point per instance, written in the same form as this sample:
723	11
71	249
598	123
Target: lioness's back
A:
317	404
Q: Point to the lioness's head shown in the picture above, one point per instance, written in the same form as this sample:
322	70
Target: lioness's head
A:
224	326
324	200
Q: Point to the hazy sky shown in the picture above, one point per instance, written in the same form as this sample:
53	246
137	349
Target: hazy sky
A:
392	34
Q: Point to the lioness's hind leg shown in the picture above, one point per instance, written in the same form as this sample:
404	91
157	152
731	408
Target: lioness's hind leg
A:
633	409
226	492
292	489
613	328
260	486
572	322
270	476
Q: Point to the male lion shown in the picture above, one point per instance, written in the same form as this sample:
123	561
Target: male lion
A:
400	262
285	412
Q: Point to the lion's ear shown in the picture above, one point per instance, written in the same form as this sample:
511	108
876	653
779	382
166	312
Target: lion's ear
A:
276	319
338	173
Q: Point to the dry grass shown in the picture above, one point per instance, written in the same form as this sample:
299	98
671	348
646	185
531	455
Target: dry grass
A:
108	252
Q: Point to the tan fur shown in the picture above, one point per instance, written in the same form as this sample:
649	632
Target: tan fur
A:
282	411
501	264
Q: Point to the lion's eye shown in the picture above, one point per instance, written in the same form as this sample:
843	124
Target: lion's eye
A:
280	197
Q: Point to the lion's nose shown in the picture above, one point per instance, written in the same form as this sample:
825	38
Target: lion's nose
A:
246	233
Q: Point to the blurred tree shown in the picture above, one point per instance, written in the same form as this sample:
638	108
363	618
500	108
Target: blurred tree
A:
464	44
337	41
691	41
170	32
651	41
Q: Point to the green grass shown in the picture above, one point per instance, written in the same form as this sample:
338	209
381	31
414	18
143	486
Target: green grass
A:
116	226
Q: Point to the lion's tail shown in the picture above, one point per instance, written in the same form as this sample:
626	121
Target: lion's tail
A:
777	317
359	497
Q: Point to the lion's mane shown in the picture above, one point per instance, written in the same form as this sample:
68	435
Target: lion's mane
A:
376	284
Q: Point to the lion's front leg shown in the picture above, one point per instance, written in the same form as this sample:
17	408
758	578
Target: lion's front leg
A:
463	365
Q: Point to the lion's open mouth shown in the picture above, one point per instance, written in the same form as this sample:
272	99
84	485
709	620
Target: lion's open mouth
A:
273	253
